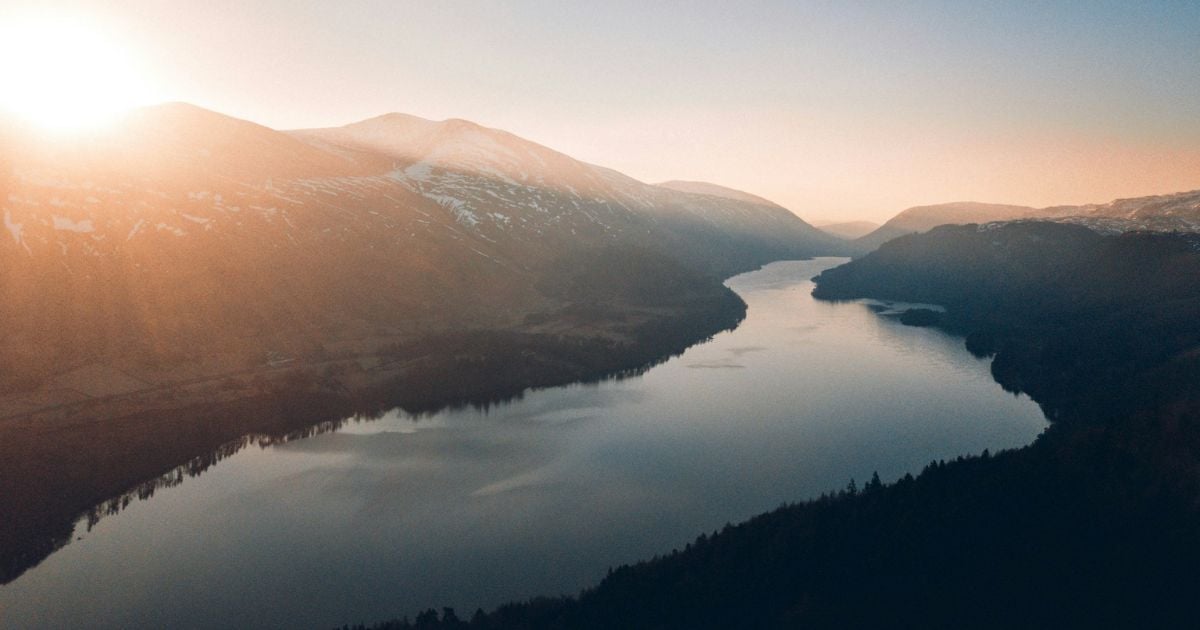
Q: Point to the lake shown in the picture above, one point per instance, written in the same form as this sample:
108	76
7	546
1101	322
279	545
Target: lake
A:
470	508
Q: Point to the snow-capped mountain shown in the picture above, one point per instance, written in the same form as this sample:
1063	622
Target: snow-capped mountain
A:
183	235
495	182
1178	212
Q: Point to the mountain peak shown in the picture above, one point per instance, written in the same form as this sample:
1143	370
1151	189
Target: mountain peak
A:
178	142
179	114
419	146
394	127
403	118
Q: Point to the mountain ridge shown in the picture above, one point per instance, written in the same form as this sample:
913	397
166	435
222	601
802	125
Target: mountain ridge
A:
188	278
1178	211
159	213
445	163
716	190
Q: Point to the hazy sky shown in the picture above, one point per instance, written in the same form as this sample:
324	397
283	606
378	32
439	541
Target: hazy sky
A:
834	109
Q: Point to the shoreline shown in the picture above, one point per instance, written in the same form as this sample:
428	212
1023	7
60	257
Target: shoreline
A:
90	459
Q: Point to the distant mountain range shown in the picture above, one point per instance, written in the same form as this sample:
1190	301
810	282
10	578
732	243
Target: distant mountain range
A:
184	236
1179	212
924	218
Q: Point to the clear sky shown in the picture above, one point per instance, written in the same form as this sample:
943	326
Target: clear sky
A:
835	109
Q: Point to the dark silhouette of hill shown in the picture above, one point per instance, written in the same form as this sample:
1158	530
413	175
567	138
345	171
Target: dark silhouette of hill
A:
1089	325
1093	525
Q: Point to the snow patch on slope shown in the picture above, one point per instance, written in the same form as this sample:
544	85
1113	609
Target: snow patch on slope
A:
419	171
462	213
136	227
13	227
67	225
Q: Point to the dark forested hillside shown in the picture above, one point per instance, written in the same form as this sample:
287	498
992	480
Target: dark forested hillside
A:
1091	326
1093	525
1060	534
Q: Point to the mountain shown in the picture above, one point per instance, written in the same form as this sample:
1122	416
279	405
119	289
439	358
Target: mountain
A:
848	230
185	236
493	180
182	235
1183	205
923	218
1178	212
699	211
186	278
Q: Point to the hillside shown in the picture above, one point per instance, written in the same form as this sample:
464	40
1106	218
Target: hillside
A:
186	236
133	247
705	188
490	178
1073	317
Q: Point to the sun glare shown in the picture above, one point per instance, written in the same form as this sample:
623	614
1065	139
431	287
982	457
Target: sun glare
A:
65	75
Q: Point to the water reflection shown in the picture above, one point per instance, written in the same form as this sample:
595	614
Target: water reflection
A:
470	507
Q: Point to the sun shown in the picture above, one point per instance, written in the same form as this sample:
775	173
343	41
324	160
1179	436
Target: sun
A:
64	74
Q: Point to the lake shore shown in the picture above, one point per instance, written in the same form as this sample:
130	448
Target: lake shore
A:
86	457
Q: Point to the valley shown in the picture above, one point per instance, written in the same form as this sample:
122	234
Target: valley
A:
193	283
188	279
1092	524
588	316
472	505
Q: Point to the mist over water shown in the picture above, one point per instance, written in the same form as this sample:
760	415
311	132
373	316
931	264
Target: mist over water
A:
470	508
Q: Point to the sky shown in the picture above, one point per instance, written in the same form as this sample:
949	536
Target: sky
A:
837	110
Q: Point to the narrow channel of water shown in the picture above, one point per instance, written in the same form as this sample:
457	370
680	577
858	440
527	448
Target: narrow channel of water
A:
469	508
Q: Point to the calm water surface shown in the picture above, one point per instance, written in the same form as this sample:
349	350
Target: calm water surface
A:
469	508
